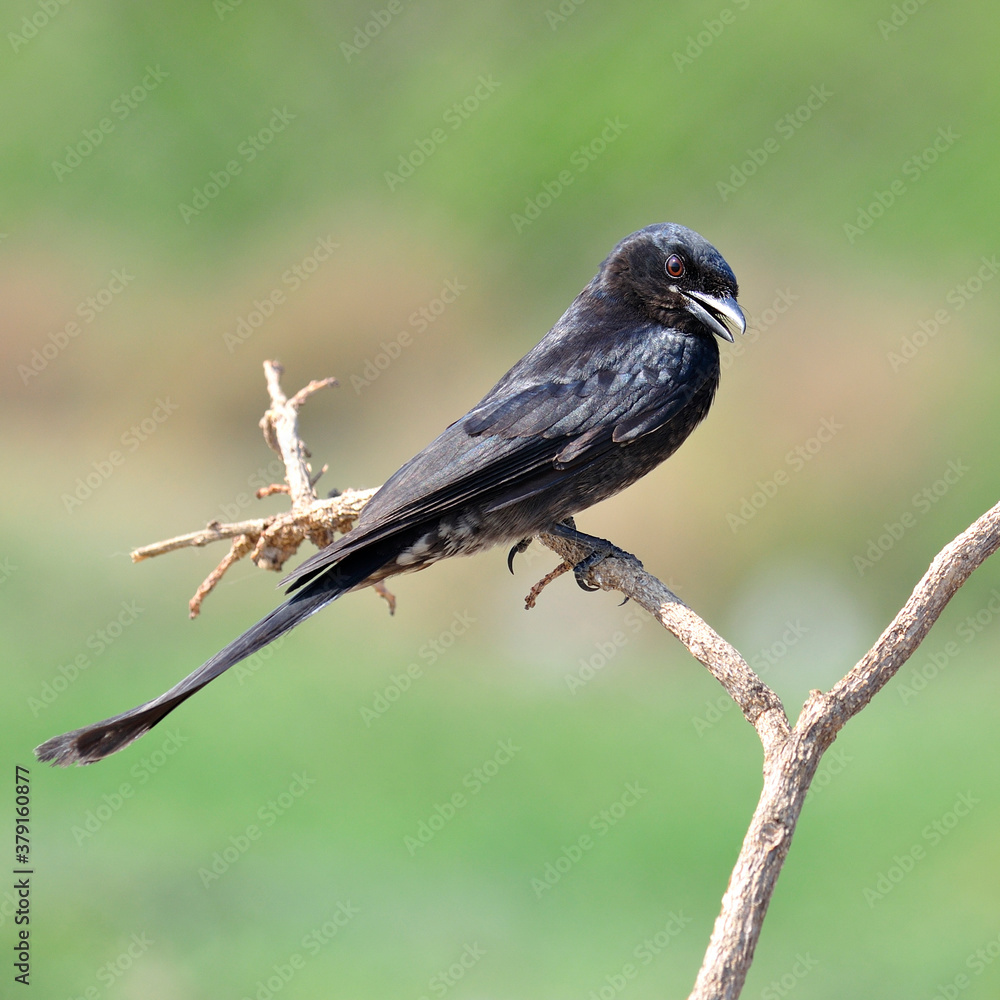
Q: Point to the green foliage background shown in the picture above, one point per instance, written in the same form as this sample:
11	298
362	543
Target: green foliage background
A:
698	90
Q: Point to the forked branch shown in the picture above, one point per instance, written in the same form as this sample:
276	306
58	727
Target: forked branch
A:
791	756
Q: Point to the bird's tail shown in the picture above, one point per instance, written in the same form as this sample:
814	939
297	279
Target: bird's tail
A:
92	743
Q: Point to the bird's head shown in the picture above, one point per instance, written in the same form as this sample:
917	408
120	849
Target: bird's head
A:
665	269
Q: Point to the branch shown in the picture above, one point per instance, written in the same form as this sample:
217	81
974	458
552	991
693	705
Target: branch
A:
791	754
759	704
271	541
952	566
280	425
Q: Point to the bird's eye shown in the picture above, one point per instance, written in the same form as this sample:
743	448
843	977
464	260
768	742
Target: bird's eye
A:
675	265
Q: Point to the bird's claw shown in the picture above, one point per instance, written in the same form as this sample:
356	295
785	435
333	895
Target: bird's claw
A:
582	570
601	549
515	550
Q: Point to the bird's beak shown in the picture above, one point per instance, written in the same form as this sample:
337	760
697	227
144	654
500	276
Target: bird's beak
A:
721	314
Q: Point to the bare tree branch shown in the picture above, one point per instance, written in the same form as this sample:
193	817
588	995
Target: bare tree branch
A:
271	541
952	566
280	425
791	753
761	706
791	757
212	532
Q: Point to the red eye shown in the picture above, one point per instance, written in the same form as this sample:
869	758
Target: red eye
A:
675	266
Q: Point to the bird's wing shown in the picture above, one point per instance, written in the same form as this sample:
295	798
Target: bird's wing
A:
526	436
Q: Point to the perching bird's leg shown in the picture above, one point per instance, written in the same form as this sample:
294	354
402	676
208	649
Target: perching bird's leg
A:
600	548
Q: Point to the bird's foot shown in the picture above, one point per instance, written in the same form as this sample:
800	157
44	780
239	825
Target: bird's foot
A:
600	549
516	550
386	594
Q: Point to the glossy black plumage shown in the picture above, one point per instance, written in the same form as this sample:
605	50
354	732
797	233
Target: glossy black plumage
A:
612	390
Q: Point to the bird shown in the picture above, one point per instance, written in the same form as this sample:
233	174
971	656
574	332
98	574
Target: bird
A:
610	392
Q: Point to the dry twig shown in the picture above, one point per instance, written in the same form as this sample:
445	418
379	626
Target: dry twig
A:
791	753
271	541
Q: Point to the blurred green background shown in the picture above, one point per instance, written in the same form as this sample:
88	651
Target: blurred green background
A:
167	170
